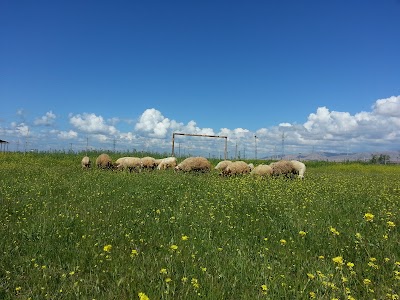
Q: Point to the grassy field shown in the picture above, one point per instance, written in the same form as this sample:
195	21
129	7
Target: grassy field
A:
67	233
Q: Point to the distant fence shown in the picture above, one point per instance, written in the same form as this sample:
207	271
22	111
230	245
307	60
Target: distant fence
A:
200	135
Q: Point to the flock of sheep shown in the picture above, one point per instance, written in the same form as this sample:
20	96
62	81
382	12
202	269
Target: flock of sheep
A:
199	164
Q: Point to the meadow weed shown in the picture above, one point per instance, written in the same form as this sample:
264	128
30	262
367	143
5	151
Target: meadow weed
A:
68	233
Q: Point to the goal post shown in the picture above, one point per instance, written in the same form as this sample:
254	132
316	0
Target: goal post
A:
201	135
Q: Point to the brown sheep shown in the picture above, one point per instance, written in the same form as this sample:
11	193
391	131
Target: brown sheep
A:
104	161
262	171
197	164
148	163
237	168
282	167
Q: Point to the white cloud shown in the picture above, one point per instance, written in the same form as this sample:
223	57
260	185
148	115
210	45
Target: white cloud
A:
154	124
325	121
235	134
46	120
67	135
389	107
20	129
90	123
324	129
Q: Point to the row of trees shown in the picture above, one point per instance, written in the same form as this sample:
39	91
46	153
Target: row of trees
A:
380	159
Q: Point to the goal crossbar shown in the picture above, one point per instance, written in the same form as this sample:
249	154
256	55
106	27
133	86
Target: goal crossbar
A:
202	135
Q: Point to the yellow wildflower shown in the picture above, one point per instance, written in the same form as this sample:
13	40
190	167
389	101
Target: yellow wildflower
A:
390	224
163	271
369	217
367	281
310	276
195	283
350	265
338	260
143	296
184	237
334	231
134	253
107	248
173	247
312	295
283	242
264	288
302	233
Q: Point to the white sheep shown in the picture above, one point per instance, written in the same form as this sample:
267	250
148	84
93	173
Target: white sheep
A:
85	163
158	161
104	161
236	168
130	163
167	163
288	168
197	164
120	160
148	163
221	166
299	168
262	170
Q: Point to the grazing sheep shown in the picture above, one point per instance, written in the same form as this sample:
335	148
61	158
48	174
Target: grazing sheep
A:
167	163
282	167
251	166
221	166
130	163
299	168
288	168
262	170
148	163
236	168
158	161
120	160
197	164
104	161
85	162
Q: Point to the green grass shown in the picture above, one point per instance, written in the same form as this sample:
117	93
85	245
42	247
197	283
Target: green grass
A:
196	235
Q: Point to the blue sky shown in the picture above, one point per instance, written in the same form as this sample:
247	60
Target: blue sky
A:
126	74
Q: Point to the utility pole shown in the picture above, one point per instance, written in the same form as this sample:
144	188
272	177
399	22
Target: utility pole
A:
255	144
236	151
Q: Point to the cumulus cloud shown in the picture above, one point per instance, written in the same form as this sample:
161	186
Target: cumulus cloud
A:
20	129
387	107
235	134
46	120
324	129
67	135
155	125
91	123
